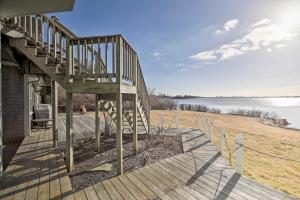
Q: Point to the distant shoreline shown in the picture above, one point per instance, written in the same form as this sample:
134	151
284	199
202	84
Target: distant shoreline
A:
196	97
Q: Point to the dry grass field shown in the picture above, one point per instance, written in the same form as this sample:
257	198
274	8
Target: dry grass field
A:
281	174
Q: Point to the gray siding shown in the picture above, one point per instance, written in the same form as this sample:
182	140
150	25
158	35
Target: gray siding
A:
13	104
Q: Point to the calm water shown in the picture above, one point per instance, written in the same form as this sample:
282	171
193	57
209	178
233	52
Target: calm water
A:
287	108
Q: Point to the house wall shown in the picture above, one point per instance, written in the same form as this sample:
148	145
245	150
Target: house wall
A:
12	104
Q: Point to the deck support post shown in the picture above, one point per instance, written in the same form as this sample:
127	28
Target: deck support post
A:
222	141
119	135
54	100
97	123
69	130
239	140
135	134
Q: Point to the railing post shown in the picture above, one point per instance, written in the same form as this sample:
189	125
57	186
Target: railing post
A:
198	120
222	141
239	140
69	59
177	120
212	131
119	59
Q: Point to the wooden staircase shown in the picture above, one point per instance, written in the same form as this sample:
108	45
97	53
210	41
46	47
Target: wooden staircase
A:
104	65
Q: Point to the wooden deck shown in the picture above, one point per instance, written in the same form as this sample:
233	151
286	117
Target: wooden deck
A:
199	173
38	171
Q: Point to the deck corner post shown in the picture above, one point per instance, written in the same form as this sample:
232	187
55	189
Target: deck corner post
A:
69	130
119	134
97	123
177	120
198	120
54	99
135	133
222	141
119	59
212	132
239	140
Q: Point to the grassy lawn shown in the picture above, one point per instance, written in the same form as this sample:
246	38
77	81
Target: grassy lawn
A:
281	174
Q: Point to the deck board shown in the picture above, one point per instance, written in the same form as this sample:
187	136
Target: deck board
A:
201	172
38	171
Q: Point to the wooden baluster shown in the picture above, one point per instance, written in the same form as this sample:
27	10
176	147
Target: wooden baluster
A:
60	48
78	56
42	31
19	22
72	57
106	54
99	58
113	55
54	40
30	25
36	29
119	59
85	56
93	53
49	38
25	25
15	21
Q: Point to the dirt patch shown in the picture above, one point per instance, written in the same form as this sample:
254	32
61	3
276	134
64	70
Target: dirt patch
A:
87	161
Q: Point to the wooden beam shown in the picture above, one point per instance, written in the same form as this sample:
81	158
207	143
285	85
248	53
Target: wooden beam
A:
97	123
69	130
54	100
135	136
93	88
119	134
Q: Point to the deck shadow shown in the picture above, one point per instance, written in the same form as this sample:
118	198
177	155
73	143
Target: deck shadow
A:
202	170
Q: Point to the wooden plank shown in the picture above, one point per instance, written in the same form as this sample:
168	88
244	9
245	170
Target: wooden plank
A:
156	188
131	187
141	186
33	186
19	192
121	188
111	190
55	191
241	189
100	190
179	179
91	193
171	186
80	195
187	191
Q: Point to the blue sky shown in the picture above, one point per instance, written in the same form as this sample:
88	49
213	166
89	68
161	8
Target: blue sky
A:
207	48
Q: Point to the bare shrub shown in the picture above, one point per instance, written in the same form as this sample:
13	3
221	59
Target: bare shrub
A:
107	126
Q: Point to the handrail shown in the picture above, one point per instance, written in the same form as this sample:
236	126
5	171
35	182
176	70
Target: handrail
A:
95	58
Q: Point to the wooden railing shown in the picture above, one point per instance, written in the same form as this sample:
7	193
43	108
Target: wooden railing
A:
101	58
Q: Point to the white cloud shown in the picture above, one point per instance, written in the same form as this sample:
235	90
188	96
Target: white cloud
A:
262	22
156	54
205	56
262	35
228	26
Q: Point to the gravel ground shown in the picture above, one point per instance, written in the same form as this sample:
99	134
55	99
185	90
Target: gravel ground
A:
151	149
